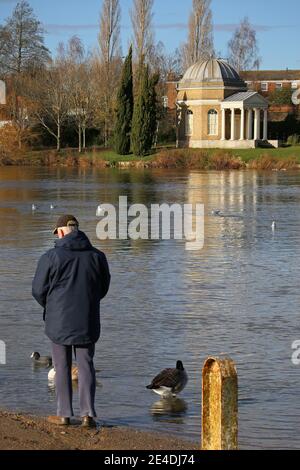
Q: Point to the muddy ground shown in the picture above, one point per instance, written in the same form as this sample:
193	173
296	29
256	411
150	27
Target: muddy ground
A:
25	432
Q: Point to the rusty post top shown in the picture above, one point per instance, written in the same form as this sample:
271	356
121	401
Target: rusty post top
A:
226	365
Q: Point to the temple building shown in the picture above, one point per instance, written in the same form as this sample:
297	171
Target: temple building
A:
215	109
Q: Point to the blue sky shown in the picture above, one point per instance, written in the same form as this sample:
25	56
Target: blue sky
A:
277	23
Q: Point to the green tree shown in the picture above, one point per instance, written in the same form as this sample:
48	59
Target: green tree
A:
22	41
152	110
281	97
124	109
144	121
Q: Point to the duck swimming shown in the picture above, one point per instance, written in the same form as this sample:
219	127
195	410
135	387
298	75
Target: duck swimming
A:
169	382
37	359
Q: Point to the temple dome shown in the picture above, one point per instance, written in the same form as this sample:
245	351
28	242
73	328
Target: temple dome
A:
212	71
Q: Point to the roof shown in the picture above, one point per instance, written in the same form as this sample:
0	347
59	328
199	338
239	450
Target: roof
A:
212	70
241	96
251	98
270	75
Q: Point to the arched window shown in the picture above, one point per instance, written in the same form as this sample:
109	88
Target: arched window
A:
212	122
189	122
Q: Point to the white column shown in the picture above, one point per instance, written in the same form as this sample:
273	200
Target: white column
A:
265	137
242	133
250	124
232	137
257	124
223	124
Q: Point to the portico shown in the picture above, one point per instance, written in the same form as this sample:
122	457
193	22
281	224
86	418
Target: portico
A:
243	113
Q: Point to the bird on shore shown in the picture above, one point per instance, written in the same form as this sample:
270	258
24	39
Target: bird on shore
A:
169	382
74	373
37	359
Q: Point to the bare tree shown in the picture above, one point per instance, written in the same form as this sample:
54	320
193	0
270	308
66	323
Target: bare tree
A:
141	18
21	109
200	45
22	41
110	59
79	86
243	48
163	63
49	92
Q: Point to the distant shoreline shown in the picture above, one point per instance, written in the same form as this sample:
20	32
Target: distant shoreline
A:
285	158
27	432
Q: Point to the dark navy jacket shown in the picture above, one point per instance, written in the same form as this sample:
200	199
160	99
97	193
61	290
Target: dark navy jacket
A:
69	283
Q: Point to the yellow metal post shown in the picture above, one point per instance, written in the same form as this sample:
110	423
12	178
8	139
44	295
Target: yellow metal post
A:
219	405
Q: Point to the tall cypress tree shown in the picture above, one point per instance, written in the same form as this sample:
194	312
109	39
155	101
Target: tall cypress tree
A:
144	122
124	109
140	120
152	110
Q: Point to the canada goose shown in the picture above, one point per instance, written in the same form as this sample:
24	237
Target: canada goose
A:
45	361
74	373
170	381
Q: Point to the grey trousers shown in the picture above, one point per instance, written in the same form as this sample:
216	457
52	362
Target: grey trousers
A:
62	360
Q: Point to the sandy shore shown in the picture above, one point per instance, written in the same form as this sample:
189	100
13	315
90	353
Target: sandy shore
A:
25	432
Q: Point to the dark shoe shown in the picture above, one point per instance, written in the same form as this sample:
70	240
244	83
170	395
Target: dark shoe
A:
58	420
88	422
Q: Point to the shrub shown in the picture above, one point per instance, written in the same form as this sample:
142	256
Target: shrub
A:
268	162
294	139
9	144
197	159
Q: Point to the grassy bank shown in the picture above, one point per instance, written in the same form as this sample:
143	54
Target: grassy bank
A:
24	432
285	158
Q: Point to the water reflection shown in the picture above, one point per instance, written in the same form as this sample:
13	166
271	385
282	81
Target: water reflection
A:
169	407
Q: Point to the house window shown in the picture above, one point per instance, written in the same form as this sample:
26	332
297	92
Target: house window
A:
264	86
212	122
165	101
278	85
294	85
189	122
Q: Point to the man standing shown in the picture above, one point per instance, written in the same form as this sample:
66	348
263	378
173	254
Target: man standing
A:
69	283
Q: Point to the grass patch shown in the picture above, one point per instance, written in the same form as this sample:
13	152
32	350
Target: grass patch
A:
247	155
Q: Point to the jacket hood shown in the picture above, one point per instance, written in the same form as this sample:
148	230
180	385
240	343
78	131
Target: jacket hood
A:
75	241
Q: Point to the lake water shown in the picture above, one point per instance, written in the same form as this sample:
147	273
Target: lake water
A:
238	296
